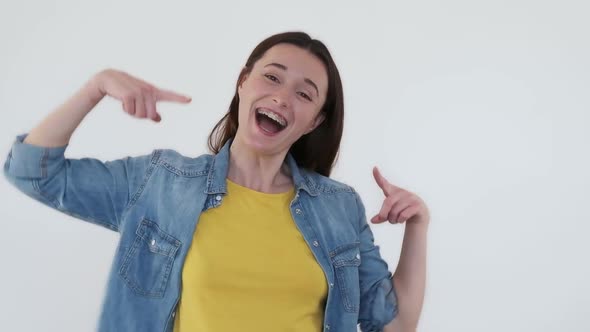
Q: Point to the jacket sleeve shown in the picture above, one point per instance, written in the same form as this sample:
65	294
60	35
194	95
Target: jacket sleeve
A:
87	189
378	305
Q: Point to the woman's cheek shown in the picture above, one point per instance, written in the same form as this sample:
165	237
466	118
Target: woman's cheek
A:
261	85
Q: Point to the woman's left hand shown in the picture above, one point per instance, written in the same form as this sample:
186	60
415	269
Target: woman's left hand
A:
399	205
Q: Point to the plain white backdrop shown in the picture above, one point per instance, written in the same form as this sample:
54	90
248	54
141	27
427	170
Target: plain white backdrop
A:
479	107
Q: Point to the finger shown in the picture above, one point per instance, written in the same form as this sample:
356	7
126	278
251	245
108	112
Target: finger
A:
408	213
397	208
377	219
381	181
388	203
392	219
129	105
150	106
140	107
394	212
385	209
166	95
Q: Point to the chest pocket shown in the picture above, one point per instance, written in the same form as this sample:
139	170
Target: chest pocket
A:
147	263
346	260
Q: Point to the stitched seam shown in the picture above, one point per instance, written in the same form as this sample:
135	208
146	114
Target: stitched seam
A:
346	297
153	163
182	172
345	247
43	163
131	255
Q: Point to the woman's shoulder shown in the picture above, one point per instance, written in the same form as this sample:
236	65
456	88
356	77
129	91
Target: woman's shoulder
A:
183	164
325	184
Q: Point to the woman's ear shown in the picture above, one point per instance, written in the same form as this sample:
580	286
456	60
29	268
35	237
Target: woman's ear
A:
243	76
316	122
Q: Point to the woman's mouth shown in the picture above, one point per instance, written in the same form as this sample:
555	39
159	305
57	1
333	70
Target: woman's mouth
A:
270	122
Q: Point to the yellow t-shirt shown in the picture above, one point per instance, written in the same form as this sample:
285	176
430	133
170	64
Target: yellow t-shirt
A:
249	269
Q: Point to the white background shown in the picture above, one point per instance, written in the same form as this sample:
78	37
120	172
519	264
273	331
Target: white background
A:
479	107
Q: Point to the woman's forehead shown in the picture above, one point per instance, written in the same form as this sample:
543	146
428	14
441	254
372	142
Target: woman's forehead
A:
296	60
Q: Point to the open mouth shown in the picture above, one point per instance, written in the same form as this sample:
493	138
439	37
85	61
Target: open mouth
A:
269	121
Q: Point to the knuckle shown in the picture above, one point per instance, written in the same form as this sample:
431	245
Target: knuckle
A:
137	93
145	90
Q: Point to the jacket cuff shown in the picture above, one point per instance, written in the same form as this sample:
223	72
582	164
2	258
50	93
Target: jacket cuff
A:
384	307
31	161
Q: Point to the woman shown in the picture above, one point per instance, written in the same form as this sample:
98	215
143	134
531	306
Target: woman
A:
279	245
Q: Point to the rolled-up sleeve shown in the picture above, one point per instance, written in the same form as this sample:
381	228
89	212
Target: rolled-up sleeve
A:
31	161
378	305
87	188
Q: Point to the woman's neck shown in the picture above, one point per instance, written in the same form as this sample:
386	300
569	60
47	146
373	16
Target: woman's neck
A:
264	173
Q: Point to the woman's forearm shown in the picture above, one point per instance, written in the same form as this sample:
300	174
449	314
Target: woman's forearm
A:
409	278
57	128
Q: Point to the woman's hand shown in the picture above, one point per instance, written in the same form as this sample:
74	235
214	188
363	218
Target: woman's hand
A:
139	98
399	205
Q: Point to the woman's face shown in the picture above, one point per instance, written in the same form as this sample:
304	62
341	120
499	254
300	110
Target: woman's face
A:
280	99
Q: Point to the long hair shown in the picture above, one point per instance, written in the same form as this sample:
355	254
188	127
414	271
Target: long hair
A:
318	150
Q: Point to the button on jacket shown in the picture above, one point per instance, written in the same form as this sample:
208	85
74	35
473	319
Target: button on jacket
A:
154	201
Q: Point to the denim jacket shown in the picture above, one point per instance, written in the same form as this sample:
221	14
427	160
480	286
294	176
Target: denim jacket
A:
154	202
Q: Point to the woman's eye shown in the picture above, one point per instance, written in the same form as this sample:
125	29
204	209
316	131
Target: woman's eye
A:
272	77
304	95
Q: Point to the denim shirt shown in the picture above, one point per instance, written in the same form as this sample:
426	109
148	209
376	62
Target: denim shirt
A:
154	201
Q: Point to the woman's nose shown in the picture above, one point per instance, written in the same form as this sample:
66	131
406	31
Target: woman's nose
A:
281	97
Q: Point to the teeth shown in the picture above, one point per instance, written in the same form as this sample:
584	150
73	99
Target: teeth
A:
273	116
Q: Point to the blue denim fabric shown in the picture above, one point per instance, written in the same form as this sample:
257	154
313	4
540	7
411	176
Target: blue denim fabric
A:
154	202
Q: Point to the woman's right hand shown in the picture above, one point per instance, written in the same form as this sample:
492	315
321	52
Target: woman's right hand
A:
138	97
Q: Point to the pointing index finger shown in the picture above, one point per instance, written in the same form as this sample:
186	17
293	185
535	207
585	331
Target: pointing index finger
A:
167	95
381	181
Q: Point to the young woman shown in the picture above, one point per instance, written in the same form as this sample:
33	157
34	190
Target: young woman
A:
254	237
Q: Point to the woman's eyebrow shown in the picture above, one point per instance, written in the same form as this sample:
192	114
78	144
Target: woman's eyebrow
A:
307	80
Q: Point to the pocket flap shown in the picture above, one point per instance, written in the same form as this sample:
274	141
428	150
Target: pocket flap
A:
157	240
346	255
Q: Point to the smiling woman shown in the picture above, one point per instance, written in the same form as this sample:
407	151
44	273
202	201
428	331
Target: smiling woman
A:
290	71
266	239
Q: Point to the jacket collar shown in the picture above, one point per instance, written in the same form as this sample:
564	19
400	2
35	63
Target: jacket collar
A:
216	179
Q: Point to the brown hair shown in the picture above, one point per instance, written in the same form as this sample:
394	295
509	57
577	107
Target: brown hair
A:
316	151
